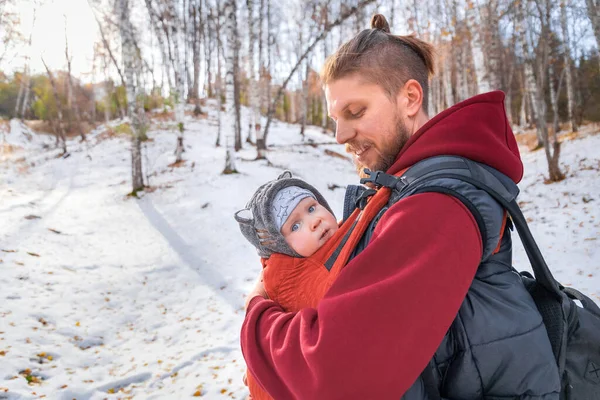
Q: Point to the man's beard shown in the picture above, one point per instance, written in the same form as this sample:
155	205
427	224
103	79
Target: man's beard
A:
386	156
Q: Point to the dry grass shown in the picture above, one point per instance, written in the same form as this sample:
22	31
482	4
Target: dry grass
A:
44	127
528	138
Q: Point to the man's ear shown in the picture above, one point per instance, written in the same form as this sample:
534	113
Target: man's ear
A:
410	98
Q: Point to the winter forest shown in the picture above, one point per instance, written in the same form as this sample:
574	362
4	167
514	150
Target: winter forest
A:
266	55
133	132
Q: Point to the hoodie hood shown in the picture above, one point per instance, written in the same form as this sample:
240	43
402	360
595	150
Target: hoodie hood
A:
476	128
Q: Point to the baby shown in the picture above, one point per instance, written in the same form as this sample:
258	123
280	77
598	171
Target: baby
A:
289	216
290	223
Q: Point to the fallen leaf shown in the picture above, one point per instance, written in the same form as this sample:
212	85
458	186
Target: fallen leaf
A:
197	393
9	251
63	386
33	254
223	391
77	323
19	263
111	390
32	217
55	231
3	353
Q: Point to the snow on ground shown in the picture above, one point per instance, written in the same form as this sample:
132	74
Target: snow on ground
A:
106	296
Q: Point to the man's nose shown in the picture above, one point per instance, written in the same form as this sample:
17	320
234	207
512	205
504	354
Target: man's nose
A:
343	132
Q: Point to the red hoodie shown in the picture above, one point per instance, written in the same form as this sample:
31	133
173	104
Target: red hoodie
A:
384	317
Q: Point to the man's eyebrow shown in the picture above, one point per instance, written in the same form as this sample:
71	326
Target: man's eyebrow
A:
342	110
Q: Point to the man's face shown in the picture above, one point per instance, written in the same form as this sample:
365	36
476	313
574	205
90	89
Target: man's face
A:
308	227
367	122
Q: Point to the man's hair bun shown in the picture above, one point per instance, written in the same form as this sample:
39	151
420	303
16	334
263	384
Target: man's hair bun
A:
378	21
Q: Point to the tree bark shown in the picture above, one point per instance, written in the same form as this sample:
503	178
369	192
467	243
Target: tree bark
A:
568	66
59	113
231	78
72	104
253	115
128	54
219	81
304	102
593	11
264	82
474	26
538	104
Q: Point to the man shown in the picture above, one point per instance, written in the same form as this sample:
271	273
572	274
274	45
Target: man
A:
427	287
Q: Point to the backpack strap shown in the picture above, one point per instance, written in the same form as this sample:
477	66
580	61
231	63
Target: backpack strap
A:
500	188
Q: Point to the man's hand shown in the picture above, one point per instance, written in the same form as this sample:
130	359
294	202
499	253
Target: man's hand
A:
258	290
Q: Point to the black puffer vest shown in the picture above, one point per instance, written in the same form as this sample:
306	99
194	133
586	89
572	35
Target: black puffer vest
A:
497	347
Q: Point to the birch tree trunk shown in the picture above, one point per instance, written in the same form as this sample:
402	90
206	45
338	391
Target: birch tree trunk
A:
219	83
462	80
72	104
448	87
161	41
252	92
538	105
551	144
230	21
59	113
232	86
554	93
264	83
482	83
21	90
25	88
568	66
128	54
304	102
208	50
492	43
180	74
593	11
195	12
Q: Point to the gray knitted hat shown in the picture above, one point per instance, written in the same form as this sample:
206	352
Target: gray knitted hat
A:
258	223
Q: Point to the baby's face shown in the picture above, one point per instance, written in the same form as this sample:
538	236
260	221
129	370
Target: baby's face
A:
308	227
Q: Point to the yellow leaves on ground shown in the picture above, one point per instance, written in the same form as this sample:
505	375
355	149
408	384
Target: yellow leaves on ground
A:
46	356
77	323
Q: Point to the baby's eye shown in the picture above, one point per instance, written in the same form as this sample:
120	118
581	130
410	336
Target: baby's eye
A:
295	227
311	209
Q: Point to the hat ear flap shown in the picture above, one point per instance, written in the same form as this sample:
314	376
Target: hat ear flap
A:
285	174
244	219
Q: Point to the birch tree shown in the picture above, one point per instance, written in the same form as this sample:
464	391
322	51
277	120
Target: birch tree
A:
73	105
60	137
172	21
538	104
473	21
593	12
568	66
129	63
254	114
230	18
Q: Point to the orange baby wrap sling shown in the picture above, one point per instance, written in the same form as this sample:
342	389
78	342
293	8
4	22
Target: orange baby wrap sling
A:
296	283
